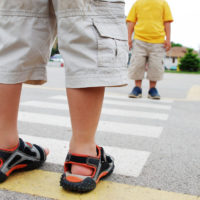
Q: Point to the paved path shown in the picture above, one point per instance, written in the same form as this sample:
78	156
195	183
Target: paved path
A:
155	145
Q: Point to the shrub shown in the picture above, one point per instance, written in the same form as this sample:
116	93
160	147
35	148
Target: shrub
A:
176	44
190	62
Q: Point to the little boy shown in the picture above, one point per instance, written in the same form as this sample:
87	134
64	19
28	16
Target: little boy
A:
150	21
93	40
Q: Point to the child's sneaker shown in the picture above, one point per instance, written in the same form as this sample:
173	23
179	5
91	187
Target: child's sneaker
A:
24	156
153	94
136	93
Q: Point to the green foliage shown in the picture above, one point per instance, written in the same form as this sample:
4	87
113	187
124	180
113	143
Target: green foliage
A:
190	62
176	44
55	50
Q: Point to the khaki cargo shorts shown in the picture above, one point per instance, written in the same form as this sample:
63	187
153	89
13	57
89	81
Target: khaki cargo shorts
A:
92	38
147	57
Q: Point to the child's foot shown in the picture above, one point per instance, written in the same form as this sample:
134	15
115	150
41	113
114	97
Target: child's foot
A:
136	93
85	180
89	150
153	94
24	156
81	170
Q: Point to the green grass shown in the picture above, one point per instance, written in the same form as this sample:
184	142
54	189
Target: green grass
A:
182	72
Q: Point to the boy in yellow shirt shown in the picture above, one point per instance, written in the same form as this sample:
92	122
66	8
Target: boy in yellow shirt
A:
150	20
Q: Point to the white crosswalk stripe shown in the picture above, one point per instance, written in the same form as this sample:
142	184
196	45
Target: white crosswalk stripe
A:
107	111
129	162
125	97
113	127
126	103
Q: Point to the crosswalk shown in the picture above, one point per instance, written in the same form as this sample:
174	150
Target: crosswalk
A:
129	162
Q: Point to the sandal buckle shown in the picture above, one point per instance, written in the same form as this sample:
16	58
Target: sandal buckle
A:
68	158
93	161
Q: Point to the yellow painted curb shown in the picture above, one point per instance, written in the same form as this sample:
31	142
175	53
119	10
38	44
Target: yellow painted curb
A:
46	184
194	93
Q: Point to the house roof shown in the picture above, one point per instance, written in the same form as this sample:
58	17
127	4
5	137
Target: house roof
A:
178	52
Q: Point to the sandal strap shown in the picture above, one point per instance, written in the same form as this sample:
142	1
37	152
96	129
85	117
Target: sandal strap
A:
32	150
87	160
24	154
102	164
92	161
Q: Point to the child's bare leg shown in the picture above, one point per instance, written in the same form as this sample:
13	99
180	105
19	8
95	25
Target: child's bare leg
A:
9	105
85	108
152	84
138	83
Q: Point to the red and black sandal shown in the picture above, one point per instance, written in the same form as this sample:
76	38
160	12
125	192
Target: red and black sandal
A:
102	165
24	156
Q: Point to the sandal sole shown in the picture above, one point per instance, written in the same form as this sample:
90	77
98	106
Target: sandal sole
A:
33	166
86	185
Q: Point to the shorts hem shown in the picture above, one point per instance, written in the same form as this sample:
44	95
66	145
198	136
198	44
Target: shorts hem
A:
33	77
96	81
136	79
154	79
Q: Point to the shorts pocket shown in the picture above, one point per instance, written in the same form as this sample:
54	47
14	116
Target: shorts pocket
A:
112	42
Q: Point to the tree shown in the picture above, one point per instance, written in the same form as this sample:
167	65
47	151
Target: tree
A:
176	44
190	62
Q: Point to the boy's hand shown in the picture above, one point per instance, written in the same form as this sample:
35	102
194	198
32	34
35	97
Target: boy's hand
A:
130	44
167	45
131	26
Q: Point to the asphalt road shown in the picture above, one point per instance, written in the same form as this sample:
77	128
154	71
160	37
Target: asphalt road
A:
159	149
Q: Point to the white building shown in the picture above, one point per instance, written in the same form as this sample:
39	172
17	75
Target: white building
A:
172	57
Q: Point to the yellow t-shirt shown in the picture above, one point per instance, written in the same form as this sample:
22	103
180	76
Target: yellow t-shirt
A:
149	16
